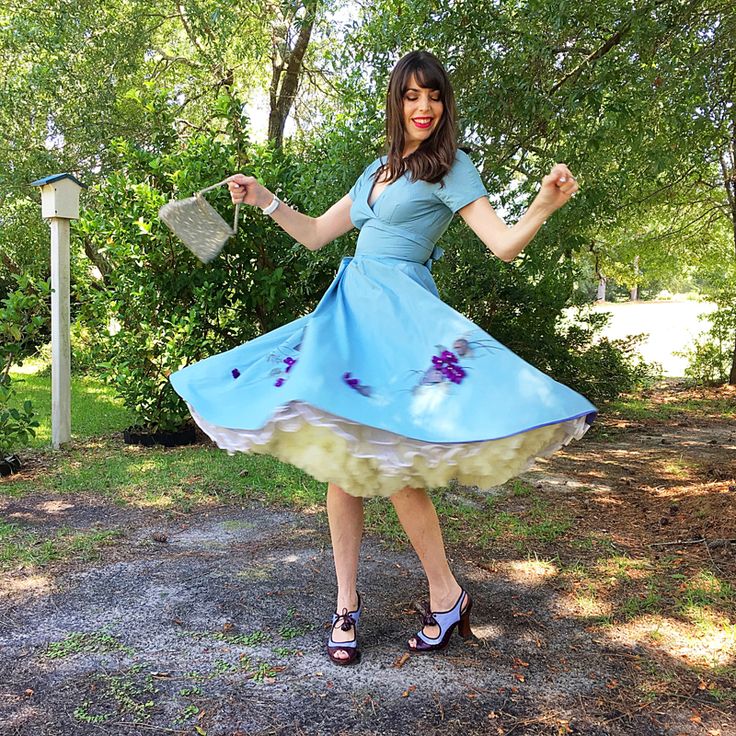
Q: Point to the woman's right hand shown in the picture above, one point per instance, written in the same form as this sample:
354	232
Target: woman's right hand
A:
248	190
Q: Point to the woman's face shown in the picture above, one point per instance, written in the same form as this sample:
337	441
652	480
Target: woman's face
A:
422	112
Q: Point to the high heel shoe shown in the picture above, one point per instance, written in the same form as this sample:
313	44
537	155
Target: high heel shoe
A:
348	620
446	620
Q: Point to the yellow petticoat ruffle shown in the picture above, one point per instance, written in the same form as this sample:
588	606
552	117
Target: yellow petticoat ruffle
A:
366	461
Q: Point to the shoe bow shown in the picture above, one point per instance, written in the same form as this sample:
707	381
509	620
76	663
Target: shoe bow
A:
427	617
347	620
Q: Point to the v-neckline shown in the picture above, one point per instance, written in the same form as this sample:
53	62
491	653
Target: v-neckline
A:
371	207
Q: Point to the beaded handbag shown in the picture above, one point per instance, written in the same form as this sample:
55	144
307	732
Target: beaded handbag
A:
198	224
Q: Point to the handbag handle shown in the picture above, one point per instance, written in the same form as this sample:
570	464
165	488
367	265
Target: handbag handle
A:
237	206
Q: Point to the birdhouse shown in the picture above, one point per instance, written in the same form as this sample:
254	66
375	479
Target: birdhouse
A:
59	196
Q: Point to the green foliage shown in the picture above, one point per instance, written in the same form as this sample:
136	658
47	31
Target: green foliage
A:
155	308
17	426
711	356
24	317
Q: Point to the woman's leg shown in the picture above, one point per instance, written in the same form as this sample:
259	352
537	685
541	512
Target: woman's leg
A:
418	516
345	514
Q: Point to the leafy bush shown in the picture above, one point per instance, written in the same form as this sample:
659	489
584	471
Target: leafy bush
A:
154	308
24	318
711	357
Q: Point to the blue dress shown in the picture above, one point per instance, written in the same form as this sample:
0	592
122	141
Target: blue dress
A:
384	385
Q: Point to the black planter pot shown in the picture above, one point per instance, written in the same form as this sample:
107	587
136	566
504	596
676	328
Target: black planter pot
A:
10	464
137	435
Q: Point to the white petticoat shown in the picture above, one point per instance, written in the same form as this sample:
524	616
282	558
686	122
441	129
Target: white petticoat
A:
365	461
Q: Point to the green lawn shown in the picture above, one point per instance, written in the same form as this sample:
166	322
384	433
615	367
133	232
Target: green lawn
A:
95	410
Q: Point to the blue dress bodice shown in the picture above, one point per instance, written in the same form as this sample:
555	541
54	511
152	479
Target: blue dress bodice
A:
409	217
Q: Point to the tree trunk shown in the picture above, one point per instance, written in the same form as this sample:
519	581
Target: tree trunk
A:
728	169
287	65
601	296
634	292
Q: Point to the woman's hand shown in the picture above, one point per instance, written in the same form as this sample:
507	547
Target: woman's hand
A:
557	188
248	190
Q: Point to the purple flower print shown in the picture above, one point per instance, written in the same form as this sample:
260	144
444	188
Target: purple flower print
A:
236	373
356	384
281	371
446	367
446	364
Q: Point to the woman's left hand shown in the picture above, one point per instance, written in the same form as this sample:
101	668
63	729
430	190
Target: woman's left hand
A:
557	188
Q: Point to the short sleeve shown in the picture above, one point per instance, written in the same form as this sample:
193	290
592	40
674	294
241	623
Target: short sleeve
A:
354	189
462	183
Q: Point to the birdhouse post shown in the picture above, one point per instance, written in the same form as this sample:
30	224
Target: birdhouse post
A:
60	204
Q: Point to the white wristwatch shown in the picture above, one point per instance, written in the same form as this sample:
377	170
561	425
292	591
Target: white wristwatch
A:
271	207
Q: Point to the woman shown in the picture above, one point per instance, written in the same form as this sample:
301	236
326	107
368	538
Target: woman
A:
384	389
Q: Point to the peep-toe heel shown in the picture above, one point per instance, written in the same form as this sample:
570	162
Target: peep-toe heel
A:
348	620
446	621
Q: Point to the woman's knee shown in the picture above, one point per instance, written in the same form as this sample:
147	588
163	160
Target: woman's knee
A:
408	494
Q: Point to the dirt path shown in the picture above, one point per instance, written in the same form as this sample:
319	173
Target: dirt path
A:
213	624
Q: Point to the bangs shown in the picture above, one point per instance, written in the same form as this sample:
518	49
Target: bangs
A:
426	76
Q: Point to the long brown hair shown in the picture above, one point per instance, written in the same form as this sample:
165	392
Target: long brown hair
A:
434	157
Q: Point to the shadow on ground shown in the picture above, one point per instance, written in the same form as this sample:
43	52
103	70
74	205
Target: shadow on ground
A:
217	626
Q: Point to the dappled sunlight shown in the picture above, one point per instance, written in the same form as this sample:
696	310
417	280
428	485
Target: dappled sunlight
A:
588	605
714	646
528	572
626	567
156	502
33	584
54	506
488	631
290	558
30	366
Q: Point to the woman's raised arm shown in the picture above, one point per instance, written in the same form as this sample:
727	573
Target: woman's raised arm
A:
507	242
312	232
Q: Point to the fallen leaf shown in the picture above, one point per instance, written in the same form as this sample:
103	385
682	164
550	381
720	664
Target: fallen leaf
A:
401	661
28	692
520	662
519	676
408	690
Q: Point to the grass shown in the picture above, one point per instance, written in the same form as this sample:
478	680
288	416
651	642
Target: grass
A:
638	409
180	478
85	642
95	410
130	692
19	545
534	519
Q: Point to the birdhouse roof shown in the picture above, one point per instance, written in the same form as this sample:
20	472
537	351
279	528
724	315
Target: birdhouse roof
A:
56	177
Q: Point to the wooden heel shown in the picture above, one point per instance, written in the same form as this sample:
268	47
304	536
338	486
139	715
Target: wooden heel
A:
463	627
